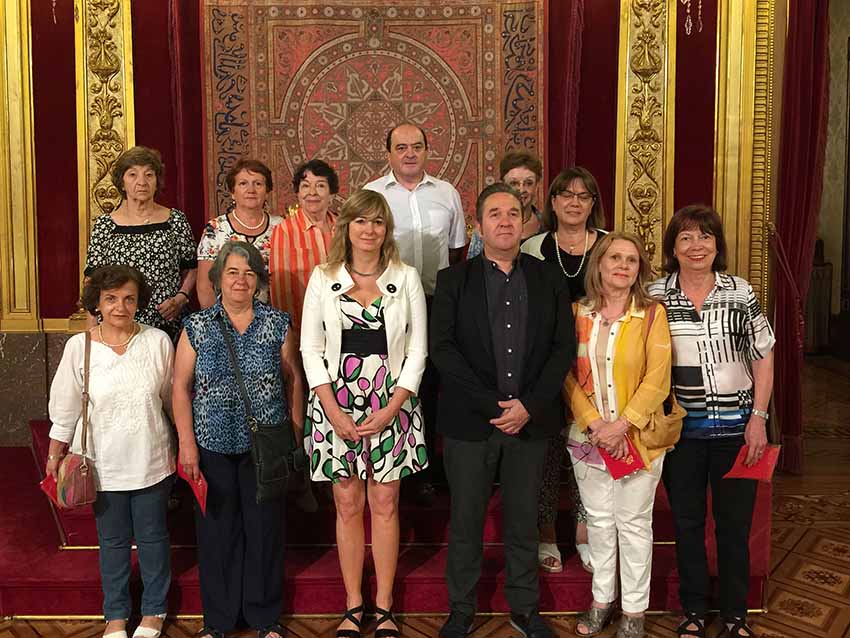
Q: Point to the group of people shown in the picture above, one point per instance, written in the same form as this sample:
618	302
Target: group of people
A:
367	333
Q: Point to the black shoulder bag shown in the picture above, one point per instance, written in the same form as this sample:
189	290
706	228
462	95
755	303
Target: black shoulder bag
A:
273	448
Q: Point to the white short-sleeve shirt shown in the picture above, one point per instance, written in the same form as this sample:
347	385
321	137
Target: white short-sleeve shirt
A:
428	221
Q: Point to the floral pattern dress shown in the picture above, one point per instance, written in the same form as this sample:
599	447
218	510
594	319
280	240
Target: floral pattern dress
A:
365	384
219	231
159	251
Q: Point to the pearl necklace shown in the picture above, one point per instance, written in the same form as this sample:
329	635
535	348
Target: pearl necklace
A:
583	255
117	345
244	225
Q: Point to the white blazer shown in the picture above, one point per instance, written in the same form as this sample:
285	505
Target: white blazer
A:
404	313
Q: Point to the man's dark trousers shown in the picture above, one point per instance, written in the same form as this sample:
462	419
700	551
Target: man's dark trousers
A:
471	468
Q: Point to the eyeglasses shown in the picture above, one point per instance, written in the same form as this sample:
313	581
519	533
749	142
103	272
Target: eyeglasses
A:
584	197
529	183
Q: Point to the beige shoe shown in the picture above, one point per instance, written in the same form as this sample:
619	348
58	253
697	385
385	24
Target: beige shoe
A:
150	632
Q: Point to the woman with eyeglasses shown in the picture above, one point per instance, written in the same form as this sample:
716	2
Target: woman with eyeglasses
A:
576	216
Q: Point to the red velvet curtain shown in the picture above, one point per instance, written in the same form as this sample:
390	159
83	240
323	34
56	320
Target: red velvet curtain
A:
565	27
805	104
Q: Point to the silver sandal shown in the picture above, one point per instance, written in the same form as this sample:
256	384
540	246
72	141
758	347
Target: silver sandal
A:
595	619
630	627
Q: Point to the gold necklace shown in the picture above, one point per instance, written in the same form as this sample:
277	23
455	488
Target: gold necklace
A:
116	345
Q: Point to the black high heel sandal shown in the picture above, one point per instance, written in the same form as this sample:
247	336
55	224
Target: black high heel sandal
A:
385	615
691	618
358	622
739	624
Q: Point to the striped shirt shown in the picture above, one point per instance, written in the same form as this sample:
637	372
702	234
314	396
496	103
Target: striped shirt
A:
297	246
712	353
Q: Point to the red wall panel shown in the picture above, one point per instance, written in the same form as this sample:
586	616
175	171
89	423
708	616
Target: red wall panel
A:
695	87
54	115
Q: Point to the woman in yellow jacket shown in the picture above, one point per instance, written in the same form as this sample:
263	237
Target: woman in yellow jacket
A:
620	378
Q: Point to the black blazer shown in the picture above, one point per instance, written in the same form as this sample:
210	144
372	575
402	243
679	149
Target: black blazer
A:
461	347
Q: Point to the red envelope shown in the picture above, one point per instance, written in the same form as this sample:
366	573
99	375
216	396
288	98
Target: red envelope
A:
761	470
48	486
199	488
625	466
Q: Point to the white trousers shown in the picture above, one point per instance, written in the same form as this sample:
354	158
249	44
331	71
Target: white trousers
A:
619	514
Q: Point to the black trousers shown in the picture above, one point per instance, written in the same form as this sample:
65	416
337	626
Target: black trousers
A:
240	546
688	469
471	468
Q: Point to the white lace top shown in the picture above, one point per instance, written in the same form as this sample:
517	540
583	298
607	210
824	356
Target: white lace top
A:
129	436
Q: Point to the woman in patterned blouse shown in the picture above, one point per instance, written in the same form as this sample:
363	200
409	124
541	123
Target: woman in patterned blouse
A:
249	182
151	238
240	542
723	377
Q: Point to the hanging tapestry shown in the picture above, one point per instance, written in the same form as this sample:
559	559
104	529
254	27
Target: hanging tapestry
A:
286	81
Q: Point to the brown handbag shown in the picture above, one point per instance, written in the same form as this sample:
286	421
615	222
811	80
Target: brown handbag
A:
664	427
75	485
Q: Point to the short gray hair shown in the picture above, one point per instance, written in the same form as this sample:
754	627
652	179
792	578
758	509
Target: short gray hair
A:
251	255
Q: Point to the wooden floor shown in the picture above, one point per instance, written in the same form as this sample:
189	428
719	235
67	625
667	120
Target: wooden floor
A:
809	590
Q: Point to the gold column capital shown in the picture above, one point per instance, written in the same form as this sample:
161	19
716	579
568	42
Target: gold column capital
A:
18	251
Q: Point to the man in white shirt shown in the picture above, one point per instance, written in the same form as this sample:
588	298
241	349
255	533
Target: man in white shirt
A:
429	224
430	231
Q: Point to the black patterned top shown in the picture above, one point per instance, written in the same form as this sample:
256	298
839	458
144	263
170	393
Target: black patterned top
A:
159	251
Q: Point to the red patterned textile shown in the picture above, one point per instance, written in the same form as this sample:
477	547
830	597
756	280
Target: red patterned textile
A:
286	81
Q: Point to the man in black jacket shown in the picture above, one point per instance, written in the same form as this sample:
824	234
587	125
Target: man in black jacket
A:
503	341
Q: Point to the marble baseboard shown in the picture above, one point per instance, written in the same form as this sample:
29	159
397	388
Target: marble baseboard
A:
23	385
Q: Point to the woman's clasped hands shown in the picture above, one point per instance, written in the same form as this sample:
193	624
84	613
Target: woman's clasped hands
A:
611	437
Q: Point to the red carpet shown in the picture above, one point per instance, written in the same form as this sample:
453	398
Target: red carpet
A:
39	578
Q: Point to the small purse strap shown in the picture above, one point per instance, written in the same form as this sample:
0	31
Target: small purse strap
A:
240	382
85	397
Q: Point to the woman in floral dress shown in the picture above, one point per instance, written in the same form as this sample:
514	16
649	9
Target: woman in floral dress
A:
363	342
249	182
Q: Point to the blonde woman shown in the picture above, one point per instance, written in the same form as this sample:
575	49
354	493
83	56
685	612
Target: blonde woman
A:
621	376
364	344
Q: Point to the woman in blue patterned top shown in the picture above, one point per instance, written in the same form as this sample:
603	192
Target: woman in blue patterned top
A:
723	377
240	542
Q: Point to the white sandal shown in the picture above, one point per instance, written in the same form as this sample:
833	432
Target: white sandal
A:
148	632
549	550
583	550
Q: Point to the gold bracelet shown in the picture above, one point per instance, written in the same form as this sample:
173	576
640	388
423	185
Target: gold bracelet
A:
55	457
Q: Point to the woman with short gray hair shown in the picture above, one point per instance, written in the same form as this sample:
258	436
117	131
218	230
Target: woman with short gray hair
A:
238	535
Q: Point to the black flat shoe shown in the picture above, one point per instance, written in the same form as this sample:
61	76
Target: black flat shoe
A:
349	615
385	615
691	618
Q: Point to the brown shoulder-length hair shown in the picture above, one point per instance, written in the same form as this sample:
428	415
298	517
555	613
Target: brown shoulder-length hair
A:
251	165
691	217
370	205
593	277
110	278
137	156
561	183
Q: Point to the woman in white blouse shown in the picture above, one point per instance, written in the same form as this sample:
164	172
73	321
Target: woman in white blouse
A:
129	439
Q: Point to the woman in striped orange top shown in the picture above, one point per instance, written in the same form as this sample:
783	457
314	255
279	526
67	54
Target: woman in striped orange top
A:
301	241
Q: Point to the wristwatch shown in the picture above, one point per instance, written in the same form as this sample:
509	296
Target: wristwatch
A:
761	413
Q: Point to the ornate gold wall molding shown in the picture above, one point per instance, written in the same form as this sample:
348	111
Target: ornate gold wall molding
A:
18	253
643	198
745	122
105	114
